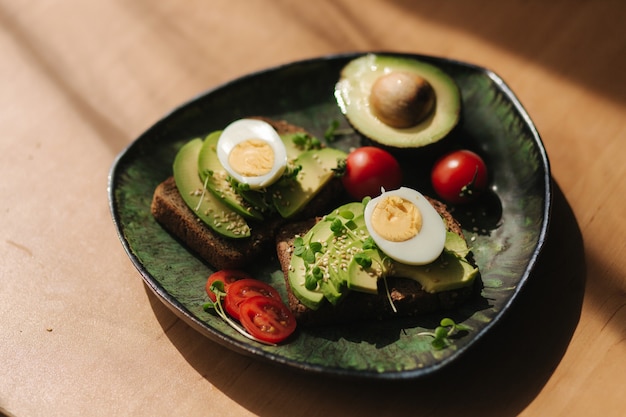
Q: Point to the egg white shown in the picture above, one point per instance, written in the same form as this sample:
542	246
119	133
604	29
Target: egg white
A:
423	248
245	129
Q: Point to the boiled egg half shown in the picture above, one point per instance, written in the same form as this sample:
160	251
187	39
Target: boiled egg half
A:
405	226
252	152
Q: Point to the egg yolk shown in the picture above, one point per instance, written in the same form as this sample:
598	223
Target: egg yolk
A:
252	158
396	219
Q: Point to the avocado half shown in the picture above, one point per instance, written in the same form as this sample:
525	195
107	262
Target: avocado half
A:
353	89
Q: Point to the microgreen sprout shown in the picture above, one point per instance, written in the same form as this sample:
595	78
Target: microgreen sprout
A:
340	170
388	293
444	332
217	288
369	243
363	260
238	186
306	141
204	185
291	171
317	261
333	131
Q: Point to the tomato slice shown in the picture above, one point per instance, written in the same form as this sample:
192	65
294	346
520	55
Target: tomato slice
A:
242	289
267	319
227	276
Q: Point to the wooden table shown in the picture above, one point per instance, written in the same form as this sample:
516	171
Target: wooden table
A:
81	334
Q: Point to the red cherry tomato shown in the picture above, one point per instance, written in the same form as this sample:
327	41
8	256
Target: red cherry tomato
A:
267	319
242	289
368	169
227	276
459	176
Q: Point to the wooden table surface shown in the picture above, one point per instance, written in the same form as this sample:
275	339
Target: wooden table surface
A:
80	80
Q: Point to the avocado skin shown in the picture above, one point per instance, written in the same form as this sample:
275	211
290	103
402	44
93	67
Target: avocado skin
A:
353	89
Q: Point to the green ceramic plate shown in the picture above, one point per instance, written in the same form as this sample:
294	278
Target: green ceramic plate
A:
506	228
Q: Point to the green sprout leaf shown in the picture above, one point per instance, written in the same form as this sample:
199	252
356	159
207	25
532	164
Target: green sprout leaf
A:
306	141
444	332
340	170
337	226
346	214
369	243
333	131
310	282
309	256
329	134
316	247
363	260
298	246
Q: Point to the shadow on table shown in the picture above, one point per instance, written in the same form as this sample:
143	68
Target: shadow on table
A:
587	47
500	375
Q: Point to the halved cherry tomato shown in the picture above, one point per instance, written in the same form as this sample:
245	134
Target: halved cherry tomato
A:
242	289
459	176
369	168
227	276
267	319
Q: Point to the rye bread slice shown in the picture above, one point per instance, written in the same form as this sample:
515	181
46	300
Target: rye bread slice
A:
170	210
408	296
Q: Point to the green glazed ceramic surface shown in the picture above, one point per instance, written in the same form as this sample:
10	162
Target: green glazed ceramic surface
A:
506	228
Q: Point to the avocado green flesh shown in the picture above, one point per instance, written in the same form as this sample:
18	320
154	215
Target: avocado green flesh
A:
310	298
456	244
203	203
365	280
291	196
291	147
333	289
449	271
353	91
330	289
216	177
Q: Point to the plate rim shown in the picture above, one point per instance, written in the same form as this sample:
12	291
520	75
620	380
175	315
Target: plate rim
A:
251	350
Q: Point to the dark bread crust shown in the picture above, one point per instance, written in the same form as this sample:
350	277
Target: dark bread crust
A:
408	296
170	210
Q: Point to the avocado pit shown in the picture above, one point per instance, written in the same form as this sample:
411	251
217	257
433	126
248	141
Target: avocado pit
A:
401	99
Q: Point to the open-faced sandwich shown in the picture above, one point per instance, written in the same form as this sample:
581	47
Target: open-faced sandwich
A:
231	190
398	254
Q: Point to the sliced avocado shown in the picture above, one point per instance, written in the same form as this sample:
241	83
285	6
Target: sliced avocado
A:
447	273
290	196
298	269
260	200
213	173
366	279
331	291
354	88
310	298
333	287
204	204
456	244
291	146
338	259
